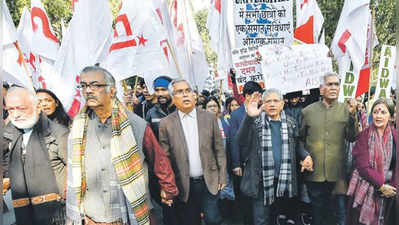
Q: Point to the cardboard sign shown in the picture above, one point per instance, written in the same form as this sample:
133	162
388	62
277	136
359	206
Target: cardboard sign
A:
247	66
294	68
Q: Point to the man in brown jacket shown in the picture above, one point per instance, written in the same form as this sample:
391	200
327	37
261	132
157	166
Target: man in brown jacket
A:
192	140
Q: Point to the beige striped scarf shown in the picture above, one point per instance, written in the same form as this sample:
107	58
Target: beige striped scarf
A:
125	158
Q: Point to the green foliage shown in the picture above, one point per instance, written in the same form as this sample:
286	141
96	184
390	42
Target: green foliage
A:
57	10
385	15
115	4
201	19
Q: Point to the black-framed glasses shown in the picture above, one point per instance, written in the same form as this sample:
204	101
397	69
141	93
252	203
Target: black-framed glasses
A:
182	92
92	86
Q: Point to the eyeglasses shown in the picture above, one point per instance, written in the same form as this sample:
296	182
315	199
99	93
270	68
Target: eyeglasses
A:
183	92
92	86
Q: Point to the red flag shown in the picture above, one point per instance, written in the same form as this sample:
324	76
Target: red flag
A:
351	34
309	21
363	84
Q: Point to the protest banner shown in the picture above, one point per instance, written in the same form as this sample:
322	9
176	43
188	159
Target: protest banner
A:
247	66
294	68
348	83
386	71
263	23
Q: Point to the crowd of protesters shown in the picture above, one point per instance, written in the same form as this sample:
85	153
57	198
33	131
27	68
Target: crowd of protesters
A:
179	157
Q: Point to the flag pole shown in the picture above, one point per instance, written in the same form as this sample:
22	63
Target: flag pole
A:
125	89
220	93
397	115
24	64
371	55
135	85
175	60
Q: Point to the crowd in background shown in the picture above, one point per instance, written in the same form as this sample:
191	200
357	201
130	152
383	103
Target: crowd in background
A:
259	157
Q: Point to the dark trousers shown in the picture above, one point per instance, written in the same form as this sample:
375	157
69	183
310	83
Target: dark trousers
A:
266	214
324	205
199	200
242	203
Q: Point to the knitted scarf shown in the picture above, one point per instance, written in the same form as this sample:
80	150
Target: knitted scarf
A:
285	177
125	159
364	194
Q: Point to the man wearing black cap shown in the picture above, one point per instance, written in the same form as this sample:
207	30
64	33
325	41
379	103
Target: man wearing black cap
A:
164	105
294	106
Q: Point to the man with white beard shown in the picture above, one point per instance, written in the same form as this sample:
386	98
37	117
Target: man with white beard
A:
36	158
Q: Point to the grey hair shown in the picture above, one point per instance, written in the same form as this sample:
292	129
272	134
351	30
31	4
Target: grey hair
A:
327	75
109	79
272	91
32	95
177	80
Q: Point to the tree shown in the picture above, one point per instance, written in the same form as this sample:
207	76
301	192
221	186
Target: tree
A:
57	10
384	21
385	14
201	18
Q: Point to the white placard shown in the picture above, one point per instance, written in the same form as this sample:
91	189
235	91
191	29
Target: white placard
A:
263	22
386	71
247	66
294	68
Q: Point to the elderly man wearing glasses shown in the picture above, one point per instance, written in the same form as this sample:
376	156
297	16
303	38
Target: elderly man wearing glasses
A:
269	146
192	140
109	151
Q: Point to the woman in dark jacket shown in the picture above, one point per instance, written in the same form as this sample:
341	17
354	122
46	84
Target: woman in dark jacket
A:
372	186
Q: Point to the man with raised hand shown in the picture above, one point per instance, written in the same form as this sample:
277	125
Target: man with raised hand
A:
269	146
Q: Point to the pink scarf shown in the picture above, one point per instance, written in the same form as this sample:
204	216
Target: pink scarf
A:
364	194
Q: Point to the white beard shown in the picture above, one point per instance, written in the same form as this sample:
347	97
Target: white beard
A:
28	123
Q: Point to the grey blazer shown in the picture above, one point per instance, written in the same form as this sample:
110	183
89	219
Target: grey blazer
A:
213	157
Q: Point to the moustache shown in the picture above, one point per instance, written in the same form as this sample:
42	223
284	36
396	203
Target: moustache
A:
91	97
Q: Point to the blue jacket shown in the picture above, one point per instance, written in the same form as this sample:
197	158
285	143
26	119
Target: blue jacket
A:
235	121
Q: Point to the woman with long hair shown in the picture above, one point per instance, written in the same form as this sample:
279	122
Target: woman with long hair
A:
52	107
372	185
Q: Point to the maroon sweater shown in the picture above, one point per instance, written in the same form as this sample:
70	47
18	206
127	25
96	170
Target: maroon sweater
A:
361	159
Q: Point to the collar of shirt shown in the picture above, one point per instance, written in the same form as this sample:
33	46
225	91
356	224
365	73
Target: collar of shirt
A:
192	114
269	119
93	116
26	136
333	104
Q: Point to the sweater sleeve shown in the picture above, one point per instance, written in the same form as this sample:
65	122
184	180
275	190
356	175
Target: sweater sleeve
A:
161	164
361	158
